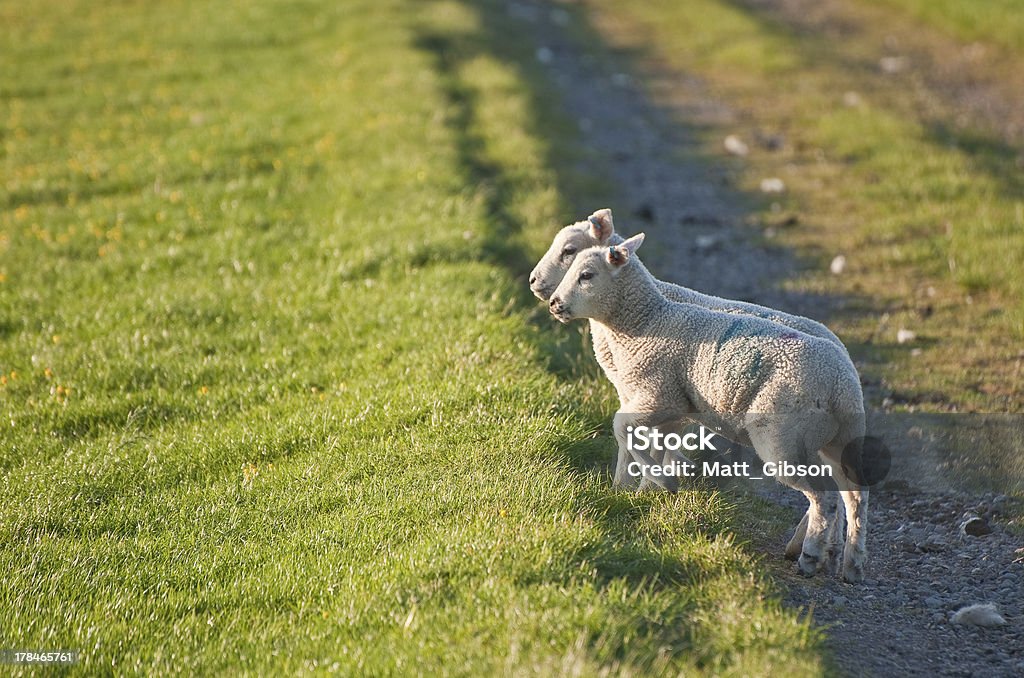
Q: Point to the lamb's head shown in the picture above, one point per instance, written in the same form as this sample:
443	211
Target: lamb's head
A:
571	240
588	289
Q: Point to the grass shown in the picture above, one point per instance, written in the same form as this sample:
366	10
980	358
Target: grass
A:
275	397
999	22
921	196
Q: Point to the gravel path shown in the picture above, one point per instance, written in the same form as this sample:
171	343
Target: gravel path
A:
922	566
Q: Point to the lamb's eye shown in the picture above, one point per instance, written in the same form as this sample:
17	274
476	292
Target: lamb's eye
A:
586	275
568	251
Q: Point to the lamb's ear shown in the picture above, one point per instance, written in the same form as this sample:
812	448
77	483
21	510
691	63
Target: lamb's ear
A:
619	254
601	226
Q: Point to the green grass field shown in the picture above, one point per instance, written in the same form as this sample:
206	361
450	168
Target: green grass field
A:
275	397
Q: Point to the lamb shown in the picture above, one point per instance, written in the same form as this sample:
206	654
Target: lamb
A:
783	392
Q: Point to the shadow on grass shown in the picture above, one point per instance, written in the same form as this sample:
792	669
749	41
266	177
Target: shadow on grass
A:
999	160
449	50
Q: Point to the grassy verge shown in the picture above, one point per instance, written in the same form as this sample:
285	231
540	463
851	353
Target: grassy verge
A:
921	199
997	21
275	397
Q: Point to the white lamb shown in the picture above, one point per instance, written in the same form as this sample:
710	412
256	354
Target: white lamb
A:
599	229
787	394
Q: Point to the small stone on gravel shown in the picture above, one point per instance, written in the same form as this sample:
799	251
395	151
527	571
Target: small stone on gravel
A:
705	242
904	336
983	614
733	144
974	526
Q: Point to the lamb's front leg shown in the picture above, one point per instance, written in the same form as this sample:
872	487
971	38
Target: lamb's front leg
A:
606	359
623	480
796	542
629	454
667	457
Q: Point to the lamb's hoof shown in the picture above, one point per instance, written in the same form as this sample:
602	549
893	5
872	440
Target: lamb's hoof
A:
808	565
853	574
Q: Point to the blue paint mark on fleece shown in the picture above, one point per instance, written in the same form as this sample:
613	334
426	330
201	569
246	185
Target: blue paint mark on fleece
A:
754	368
730	332
736	329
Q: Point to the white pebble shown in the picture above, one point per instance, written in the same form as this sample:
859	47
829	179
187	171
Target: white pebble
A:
983	614
838	264
704	242
772	185
904	336
733	144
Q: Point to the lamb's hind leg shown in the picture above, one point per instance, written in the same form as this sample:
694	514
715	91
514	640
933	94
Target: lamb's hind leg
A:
855	554
812	550
833	539
774	440
855	502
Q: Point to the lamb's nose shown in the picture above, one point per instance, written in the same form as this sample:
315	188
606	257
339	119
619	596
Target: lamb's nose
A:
555	301
533	279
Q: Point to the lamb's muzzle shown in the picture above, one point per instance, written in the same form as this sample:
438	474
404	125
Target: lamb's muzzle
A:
559	310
